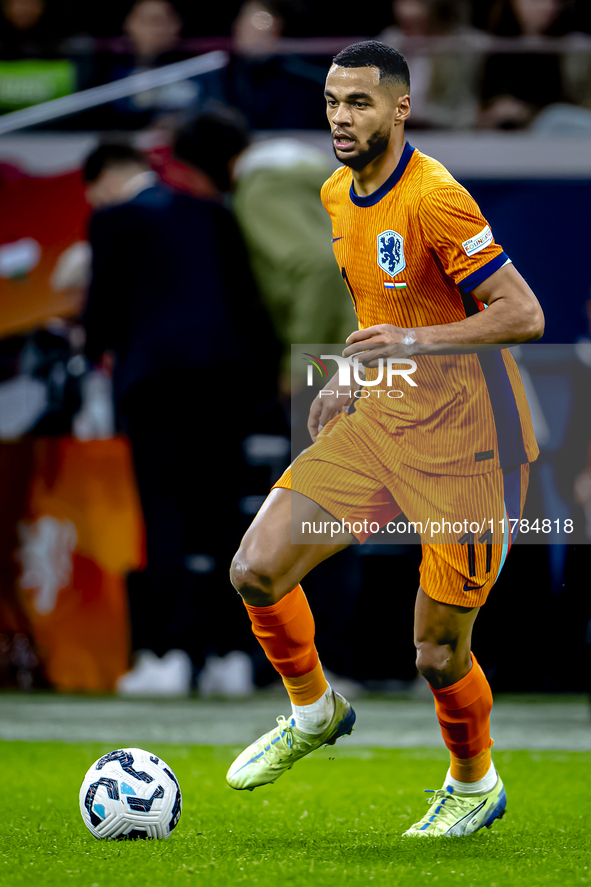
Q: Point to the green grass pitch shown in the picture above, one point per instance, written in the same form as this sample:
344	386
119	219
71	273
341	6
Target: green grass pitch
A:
335	819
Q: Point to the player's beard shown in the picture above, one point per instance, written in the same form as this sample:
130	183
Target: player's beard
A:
377	143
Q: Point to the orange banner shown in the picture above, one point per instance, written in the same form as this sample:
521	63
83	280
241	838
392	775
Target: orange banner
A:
82	533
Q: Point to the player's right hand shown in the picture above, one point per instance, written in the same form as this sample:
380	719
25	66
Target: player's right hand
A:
327	404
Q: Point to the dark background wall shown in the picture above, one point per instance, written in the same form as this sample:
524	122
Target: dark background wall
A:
545	228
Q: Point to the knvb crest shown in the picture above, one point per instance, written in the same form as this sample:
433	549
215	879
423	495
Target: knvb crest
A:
391	252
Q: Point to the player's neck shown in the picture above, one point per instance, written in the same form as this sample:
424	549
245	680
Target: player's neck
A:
373	176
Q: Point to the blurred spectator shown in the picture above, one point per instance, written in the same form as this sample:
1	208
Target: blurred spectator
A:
183	321
530	18
274	90
257	28
25	32
516	85
153	28
443	72
151	39
276	197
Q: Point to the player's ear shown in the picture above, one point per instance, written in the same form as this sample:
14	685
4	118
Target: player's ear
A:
402	109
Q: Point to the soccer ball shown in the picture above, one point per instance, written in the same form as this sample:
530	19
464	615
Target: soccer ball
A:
130	793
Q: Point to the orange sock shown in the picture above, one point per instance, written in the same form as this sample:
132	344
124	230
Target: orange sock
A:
471	769
463	711
285	631
307	688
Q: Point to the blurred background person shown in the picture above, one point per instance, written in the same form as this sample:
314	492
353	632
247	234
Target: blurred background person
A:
517	85
274	90
444	57
151	39
153	28
25	31
275	186
184	325
258	27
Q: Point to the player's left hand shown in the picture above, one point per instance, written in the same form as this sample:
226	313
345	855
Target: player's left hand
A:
382	340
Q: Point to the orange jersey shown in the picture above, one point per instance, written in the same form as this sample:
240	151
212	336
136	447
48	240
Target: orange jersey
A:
411	253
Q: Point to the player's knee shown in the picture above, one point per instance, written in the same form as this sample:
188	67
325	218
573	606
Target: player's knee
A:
435	662
250	581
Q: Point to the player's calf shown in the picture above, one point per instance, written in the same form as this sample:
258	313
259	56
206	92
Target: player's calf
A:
266	571
442	637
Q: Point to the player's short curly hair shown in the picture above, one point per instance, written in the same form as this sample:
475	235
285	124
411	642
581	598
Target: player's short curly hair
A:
372	54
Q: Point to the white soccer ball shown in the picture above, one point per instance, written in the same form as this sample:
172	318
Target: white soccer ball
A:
130	793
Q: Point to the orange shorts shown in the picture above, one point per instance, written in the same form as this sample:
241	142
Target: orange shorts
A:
467	524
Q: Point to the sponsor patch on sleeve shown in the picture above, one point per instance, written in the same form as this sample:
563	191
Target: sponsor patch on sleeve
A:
475	244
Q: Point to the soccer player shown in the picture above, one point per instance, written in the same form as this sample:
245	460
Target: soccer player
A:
429	285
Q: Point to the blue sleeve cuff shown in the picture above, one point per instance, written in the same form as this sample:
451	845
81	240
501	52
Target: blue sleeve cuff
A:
473	280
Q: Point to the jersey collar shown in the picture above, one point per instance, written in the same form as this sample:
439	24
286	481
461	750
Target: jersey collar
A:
392	180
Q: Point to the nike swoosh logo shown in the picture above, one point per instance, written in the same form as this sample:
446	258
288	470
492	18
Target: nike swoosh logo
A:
334	240
456	829
468	587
